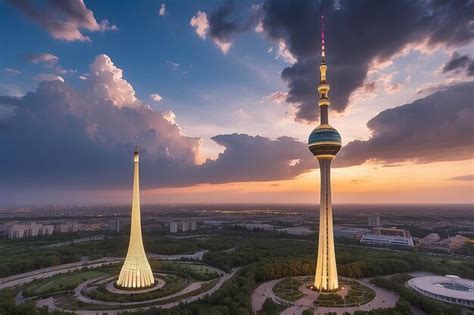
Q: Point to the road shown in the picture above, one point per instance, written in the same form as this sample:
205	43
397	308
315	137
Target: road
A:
27	277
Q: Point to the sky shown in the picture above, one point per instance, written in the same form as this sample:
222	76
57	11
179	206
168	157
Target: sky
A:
220	97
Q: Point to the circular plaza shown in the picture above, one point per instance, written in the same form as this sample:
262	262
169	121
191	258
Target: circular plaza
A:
296	295
94	289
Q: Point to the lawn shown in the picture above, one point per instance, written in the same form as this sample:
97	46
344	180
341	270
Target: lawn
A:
358	294
64	282
288	289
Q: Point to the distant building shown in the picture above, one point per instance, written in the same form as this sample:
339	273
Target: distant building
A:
349	232
256	226
47	230
454	242
68	228
184	226
193	226
374	220
173	227
429	239
296	230
388	237
117	226
28	230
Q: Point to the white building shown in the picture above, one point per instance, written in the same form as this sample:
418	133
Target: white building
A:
388	237
68	228
193	226
184	226
374	220
47	230
449	289
28	230
173	227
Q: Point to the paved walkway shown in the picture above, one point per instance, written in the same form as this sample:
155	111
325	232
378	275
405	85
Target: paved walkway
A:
383	299
159	283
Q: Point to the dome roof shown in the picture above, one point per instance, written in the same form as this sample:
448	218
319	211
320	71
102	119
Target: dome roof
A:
324	134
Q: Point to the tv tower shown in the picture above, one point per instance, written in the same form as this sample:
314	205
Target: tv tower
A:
324	142
136	271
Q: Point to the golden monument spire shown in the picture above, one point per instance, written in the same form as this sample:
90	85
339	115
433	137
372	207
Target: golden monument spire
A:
324	142
136	271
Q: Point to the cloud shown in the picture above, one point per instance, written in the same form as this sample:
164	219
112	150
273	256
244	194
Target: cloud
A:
459	63
358	32
173	65
462	178
435	128
277	97
284	53
200	23
49	77
11	71
44	57
106	82
59	137
64	20
156	97
162	10
223	24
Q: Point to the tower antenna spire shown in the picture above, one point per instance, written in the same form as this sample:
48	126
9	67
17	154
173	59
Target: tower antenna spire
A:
323	46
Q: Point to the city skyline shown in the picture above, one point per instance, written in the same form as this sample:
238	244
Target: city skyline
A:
220	96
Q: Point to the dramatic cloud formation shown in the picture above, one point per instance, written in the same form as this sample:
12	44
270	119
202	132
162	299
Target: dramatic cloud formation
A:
106	83
358	34
459	63
435	128
61	137
63	19
44	57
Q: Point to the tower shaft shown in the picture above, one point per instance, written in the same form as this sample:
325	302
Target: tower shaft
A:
326	271
136	271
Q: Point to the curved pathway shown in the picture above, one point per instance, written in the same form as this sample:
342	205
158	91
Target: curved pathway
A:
112	311
383	299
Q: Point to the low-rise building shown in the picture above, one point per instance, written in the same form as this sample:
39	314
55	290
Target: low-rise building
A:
349	232
296	230
388	237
